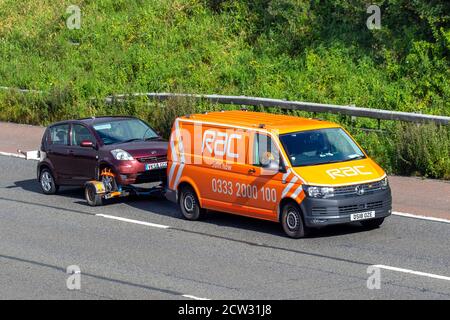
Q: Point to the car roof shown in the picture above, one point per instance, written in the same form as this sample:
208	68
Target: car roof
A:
267	121
93	120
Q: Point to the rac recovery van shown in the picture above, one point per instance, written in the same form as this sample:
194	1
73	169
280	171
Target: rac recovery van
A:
303	173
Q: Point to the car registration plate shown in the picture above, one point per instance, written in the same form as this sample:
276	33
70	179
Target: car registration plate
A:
154	166
362	215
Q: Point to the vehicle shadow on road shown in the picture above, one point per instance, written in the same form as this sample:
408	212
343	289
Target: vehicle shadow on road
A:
168	209
159	206
32	185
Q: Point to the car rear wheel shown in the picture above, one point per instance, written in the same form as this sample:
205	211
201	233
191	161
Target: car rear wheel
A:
189	204
372	223
47	182
292	221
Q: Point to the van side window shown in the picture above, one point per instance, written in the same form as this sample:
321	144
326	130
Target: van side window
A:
59	135
79	134
264	150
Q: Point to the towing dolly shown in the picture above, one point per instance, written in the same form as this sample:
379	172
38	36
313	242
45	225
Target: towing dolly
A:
96	191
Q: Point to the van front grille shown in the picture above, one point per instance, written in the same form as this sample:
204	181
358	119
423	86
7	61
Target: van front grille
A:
368	188
350	209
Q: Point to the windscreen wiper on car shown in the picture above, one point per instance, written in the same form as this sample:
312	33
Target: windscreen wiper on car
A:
152	138
131	140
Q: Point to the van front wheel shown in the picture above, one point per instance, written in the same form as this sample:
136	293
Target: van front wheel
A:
189	204
292	221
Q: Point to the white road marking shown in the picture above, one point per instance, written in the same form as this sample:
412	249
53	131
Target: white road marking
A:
416	216
148	224
417	273
15	155
194	297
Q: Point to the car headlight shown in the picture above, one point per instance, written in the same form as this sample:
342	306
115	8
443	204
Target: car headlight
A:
120	154
320	192
384	183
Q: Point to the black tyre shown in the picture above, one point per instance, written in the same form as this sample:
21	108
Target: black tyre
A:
372	223
189	204
47	182
92	197
292	221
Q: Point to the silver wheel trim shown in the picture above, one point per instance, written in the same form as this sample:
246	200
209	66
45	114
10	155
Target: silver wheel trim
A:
189	203
46	181
292	220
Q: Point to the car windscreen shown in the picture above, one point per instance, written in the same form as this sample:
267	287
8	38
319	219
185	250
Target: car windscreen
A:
321	146
124	130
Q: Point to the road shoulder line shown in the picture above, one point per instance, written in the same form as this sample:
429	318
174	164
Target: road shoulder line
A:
416	216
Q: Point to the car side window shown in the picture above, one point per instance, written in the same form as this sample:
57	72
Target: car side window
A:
59	135
79	134
264	150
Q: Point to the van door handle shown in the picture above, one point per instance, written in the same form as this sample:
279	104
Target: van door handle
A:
251	171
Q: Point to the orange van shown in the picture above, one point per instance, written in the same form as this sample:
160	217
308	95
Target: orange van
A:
303	173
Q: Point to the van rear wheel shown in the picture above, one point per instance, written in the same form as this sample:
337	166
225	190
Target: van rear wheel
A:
292	221
189	204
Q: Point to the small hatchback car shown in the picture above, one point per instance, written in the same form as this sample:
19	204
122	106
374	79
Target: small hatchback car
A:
76	151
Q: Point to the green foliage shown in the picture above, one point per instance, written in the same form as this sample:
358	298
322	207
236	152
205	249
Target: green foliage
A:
311	50
423	150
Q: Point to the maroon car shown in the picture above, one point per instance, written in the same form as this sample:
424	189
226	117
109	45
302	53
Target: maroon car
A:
119	150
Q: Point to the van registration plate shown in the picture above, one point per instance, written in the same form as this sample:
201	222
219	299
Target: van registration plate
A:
362	215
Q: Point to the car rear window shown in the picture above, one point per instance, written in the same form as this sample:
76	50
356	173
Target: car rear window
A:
59	135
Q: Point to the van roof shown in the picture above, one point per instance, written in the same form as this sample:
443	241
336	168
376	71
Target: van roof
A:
248	119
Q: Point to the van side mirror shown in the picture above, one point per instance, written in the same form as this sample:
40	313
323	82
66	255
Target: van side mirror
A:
87	144
271	168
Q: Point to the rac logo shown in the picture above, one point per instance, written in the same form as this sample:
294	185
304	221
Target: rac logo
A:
220	143
347	172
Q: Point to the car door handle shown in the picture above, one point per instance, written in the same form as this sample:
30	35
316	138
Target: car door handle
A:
251	171
70	152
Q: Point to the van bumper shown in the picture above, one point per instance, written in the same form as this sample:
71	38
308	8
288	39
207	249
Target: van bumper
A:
325	212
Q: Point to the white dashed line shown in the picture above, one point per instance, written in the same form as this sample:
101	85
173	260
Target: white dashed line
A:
415	216
148	224
194	297
15	155
417	273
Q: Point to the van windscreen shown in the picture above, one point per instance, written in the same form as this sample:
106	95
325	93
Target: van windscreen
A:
314	147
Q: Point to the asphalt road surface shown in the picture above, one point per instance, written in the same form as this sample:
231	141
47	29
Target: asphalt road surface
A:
157	255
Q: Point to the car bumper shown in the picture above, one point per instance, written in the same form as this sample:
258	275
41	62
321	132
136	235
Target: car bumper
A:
125	178
324	212
134	172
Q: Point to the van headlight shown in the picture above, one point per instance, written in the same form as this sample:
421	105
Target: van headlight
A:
319	192
120	154
384	183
